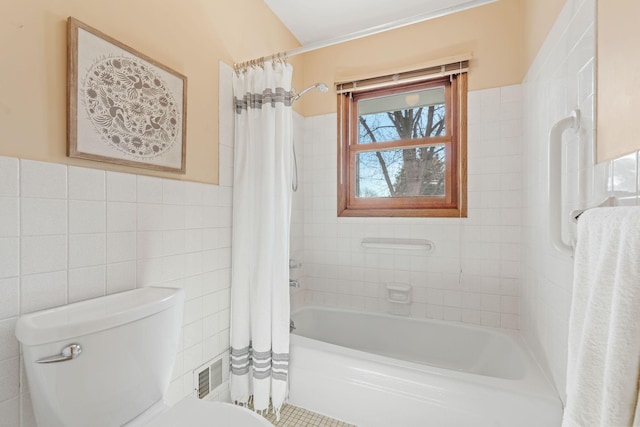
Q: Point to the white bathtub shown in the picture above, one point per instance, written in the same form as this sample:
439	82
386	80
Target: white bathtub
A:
377	370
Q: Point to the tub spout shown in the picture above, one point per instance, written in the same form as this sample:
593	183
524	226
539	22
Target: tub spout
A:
294	283
292	326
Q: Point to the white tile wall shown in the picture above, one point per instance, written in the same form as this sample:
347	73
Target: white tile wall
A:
96	218
473	274
561	79
120	231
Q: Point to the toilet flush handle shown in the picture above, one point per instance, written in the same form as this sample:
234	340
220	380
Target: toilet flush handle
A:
69	352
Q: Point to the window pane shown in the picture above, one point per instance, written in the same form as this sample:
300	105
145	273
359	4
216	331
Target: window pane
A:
401	173
409	115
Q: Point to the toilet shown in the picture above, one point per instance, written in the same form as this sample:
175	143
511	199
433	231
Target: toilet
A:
107	362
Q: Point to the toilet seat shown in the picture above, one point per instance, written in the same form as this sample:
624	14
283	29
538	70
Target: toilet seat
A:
191	412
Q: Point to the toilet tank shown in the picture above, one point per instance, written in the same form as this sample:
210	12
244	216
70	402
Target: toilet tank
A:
129	342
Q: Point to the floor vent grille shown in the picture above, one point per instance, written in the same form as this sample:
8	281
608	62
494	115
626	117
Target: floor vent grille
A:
203	383
207	377
216	374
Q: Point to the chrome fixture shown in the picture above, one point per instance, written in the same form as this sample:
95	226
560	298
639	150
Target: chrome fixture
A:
294	283
292	326
295	263
69	352
320	86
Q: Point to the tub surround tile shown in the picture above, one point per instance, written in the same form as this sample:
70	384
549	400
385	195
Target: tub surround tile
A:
559	78
332	245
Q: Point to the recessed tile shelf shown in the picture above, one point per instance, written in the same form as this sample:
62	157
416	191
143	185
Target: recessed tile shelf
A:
403	244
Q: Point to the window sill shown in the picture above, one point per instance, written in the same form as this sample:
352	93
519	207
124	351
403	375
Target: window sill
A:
407	213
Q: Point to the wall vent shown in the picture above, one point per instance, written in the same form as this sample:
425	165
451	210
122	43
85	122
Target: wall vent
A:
203	383
216	374
207	377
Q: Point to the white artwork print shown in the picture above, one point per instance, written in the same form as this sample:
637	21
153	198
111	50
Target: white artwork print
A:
127	107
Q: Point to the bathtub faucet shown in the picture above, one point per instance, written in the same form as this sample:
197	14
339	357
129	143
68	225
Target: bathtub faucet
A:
294	283
292	326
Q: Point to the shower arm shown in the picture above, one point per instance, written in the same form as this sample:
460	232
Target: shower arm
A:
555	180
320	86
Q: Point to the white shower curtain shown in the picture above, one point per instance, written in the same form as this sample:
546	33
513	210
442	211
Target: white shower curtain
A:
260	248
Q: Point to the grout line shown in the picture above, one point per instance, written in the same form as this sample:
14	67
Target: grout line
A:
294	416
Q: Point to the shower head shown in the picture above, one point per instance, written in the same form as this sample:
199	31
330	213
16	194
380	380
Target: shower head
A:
320	86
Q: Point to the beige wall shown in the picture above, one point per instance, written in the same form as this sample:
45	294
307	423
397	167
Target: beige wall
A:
189	36
618	81
493	33
538	19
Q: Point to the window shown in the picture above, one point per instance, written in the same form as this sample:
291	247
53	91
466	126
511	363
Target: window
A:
402	149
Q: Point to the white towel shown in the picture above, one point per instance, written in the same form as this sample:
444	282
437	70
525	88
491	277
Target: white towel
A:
604	326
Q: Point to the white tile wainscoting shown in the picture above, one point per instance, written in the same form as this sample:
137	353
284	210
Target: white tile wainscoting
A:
71	233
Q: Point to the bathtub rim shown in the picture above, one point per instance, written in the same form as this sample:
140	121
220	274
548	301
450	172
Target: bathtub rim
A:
534	382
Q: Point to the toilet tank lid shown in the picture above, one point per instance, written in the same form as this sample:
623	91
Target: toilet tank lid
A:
94	315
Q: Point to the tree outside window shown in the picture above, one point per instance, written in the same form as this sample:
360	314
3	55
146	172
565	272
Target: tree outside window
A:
402	151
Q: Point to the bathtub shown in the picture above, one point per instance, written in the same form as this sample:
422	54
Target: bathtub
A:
377	370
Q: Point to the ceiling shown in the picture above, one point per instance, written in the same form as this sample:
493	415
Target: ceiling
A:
319	22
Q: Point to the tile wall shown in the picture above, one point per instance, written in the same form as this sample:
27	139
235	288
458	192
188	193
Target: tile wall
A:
472	275
560	79
69	233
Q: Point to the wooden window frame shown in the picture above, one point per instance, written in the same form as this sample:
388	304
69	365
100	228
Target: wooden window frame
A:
454	202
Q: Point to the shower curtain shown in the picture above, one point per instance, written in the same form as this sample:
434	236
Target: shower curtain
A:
260	246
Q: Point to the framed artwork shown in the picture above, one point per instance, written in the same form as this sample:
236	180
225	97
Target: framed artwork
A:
123	107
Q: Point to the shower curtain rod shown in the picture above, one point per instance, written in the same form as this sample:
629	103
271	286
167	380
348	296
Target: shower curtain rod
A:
283	56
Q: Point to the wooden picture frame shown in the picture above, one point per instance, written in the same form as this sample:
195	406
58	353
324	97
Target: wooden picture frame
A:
122	106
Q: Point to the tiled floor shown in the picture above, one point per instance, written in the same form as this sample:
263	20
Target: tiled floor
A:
292	416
